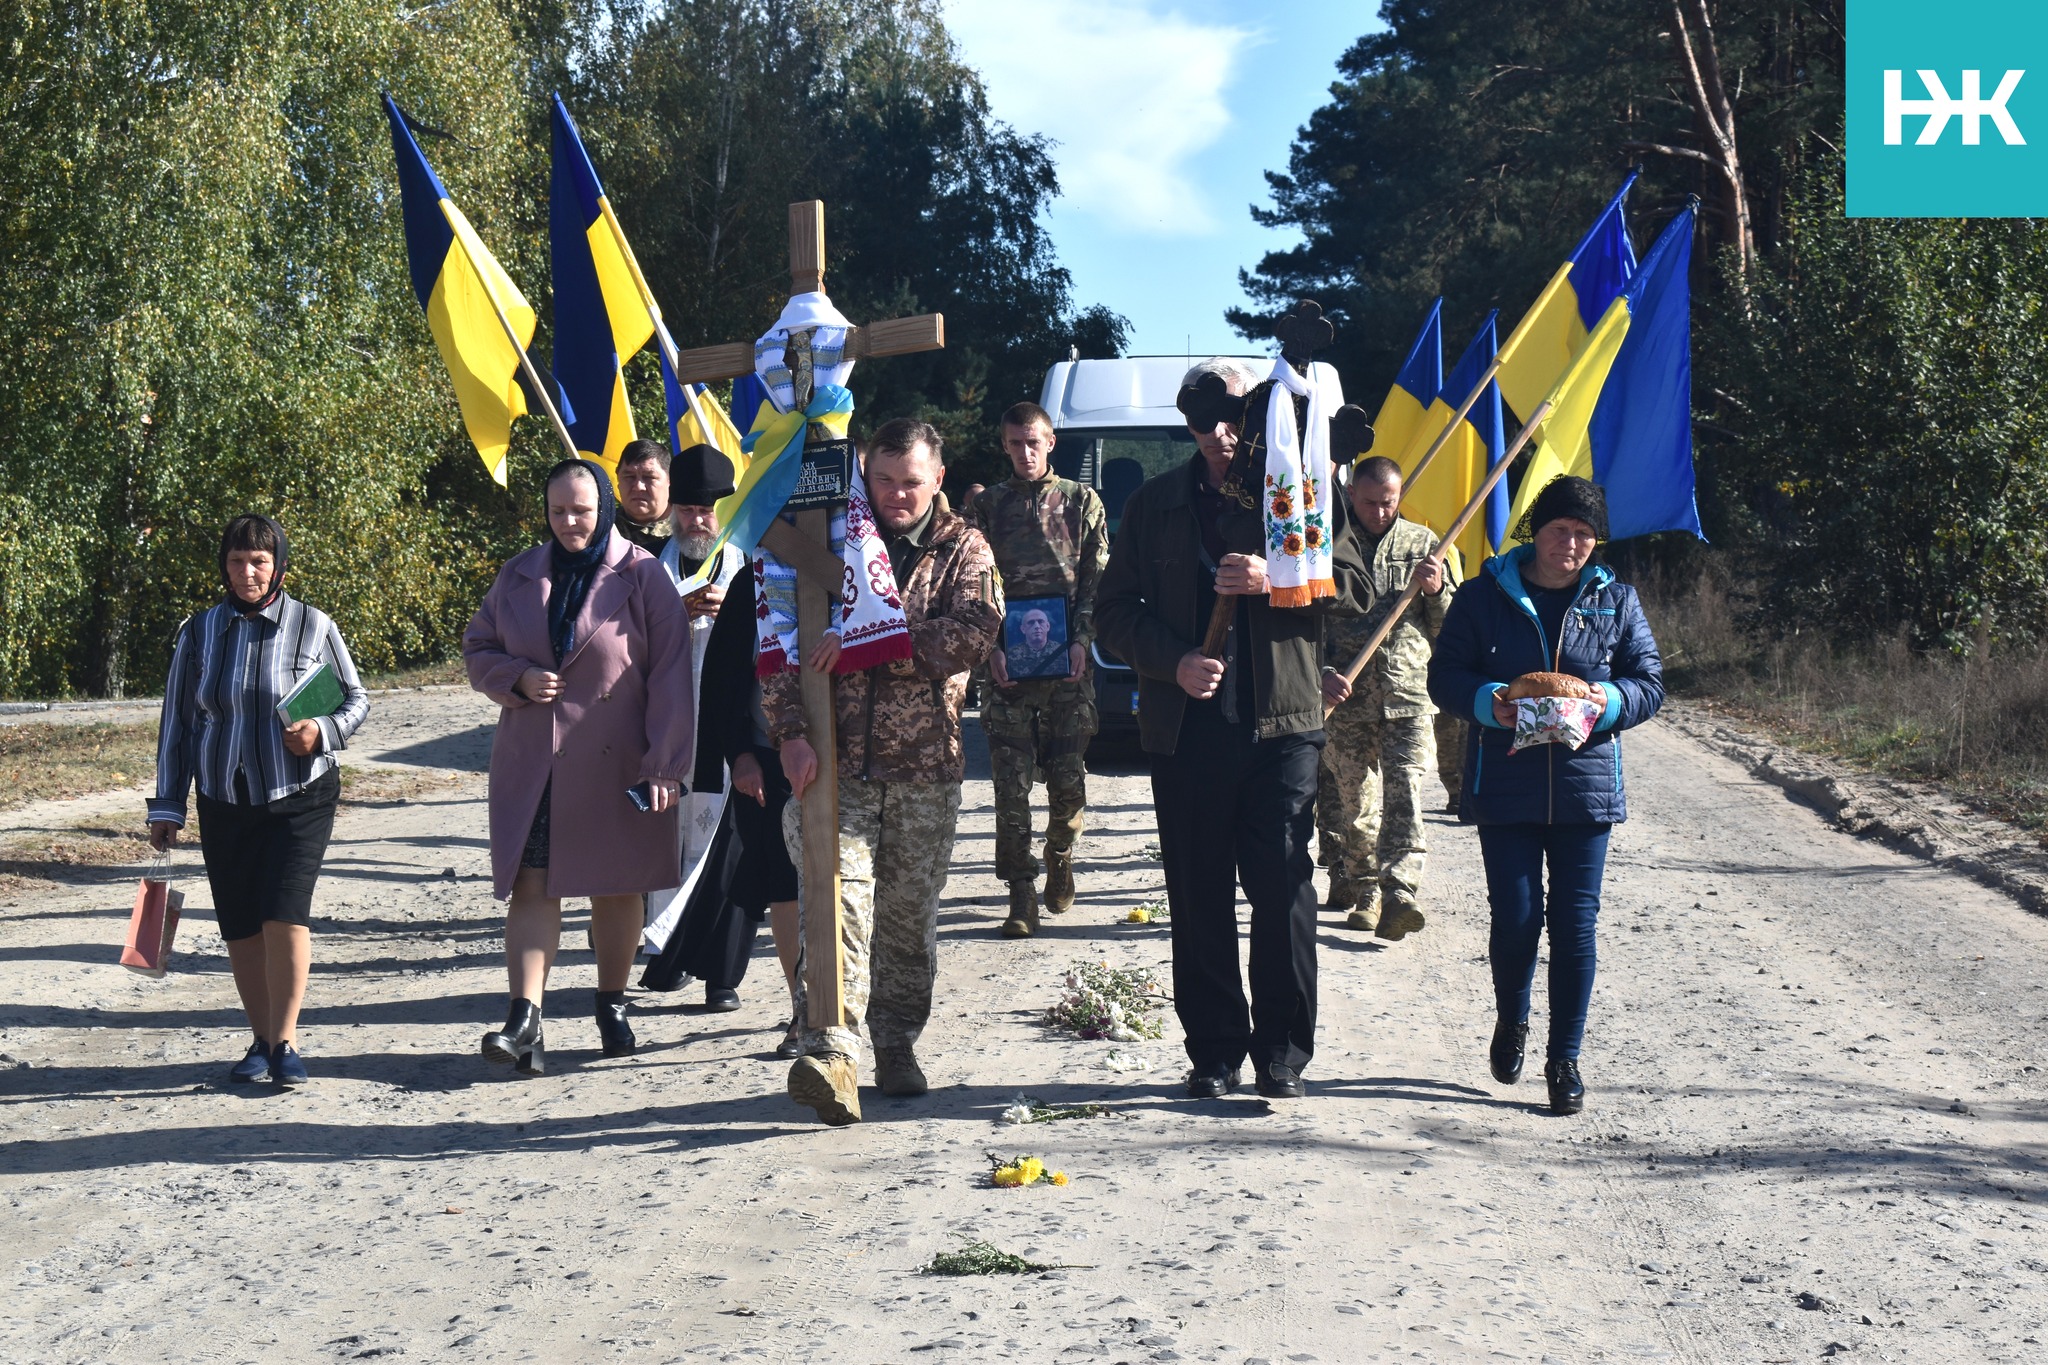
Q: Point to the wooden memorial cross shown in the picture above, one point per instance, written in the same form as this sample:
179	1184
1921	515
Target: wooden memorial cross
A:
806	548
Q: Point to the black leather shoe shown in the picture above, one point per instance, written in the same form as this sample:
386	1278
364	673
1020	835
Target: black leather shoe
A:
612	1029
1567	1091
1277	1081
519	1042
1505	1055
1211	1081
720	999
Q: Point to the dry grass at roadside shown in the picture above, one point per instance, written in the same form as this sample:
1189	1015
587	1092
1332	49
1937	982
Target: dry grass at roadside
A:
41	762
1977	726
446	673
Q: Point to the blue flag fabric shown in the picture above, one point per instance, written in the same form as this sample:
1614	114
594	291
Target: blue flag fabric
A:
1642	429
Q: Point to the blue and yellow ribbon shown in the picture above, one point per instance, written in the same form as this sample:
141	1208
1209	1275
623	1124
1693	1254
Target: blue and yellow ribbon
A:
775	450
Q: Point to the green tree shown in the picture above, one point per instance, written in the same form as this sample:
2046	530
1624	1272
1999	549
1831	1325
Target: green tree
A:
203	309
1466	147
1884	391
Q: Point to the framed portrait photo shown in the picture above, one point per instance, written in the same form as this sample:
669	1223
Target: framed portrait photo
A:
1035	638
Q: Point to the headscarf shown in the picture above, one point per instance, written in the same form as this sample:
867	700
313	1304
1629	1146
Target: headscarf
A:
278	558
570	571
1567	495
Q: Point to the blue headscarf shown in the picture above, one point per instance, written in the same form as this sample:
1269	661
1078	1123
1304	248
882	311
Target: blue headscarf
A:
570	571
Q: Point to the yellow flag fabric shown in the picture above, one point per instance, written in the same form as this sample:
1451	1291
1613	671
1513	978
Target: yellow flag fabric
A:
1542	345
1564	446
1394	427
458	282
1436	499
480	358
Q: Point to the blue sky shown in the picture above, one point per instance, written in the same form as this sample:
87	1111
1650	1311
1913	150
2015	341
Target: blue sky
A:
1167	113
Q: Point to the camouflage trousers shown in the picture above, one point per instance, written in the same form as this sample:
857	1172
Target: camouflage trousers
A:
1450	753
1369	803
1038	728
895	844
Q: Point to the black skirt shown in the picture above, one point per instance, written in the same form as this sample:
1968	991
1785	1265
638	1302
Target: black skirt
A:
262	860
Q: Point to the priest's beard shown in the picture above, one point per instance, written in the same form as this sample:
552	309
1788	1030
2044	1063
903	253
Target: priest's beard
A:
698	546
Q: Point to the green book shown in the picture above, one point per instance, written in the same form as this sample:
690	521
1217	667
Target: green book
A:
317	694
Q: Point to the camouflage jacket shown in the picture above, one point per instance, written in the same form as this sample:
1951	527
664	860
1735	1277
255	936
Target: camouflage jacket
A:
1397	681
900	721
1050	539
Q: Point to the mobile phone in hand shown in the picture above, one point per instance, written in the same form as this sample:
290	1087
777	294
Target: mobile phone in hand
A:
641	794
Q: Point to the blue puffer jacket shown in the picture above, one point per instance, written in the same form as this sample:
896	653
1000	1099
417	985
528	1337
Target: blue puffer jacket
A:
1491	636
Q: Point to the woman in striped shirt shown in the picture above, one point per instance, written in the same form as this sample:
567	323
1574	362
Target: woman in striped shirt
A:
267	790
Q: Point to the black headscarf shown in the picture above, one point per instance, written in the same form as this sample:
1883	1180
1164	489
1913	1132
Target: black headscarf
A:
237	530
570	572
1567	495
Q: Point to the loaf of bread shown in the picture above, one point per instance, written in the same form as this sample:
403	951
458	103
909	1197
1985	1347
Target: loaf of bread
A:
1548	685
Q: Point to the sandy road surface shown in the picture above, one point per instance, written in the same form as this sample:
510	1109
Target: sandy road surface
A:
1815	1070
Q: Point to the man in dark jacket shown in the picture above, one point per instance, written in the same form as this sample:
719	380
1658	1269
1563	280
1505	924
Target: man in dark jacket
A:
1234	744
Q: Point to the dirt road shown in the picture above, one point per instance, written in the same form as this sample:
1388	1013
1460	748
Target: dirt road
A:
1816	1125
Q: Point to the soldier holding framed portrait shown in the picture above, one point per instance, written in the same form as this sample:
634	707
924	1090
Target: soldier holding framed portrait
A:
1051	539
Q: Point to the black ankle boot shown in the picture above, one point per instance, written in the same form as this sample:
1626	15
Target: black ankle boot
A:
519	1042
612	1027
1567	1091
1505	1055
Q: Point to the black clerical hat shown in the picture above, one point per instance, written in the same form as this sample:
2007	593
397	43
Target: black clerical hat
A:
699	477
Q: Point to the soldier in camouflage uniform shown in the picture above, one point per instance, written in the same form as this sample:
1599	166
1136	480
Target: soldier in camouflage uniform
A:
900	768
1050	539
1380	744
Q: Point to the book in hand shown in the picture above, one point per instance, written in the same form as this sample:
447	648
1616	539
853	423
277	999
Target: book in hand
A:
317	694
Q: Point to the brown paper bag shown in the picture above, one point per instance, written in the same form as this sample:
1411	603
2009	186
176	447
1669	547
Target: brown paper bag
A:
153	924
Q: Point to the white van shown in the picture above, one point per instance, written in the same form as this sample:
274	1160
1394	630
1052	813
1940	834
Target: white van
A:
1117	426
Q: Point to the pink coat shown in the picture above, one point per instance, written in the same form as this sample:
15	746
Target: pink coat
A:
625	715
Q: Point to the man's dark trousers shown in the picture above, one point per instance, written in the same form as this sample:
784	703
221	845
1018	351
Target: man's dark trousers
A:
1235	809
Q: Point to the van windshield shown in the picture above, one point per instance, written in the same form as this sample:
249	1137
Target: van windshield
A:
1117	459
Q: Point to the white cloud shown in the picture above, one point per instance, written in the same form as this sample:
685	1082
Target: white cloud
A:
1131	94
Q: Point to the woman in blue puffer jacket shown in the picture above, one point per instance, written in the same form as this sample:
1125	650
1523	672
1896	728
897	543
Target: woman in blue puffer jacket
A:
1545	607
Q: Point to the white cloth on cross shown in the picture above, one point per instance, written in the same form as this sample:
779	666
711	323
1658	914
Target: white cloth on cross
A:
829	330
1298	563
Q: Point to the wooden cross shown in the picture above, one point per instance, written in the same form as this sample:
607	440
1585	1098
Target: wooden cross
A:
807	548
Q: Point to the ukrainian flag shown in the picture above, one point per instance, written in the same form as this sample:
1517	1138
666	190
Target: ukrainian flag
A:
602	318
1623	415
1421	375
464	291
1557	325
695	418
1436	499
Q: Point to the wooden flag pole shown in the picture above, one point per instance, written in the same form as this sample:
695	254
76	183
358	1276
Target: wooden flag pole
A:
1444	436
525	362
1436	556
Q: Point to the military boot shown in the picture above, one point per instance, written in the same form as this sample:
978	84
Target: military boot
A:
1023	920
828	1083
897	1072
1365	915
1059	880
1401	918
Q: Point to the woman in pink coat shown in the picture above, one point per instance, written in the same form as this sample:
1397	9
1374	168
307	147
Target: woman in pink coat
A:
584	643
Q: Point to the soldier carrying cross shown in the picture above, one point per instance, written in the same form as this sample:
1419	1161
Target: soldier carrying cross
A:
867	722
